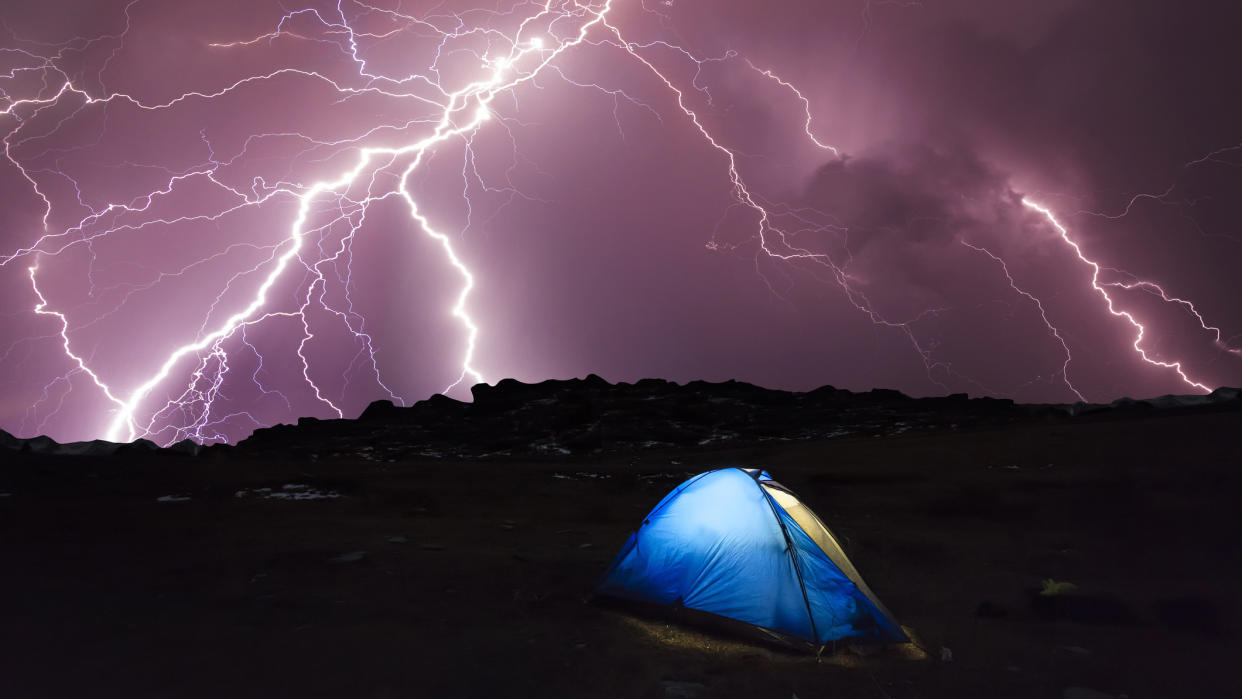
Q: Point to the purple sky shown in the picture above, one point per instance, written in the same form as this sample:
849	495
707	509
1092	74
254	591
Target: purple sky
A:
595	209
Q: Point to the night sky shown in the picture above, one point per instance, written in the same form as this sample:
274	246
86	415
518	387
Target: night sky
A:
797	193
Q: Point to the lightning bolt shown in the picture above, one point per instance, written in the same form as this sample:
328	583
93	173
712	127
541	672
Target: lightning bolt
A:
1100	289
378	164
526	54
473	101
806	106
1052	329
80	363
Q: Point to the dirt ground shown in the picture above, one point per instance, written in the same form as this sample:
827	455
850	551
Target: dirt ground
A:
440	578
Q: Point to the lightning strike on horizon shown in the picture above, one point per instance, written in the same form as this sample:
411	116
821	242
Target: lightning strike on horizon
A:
1099	288
1042	314
511	59
474	98
41	309
788	252
1162	198
478	94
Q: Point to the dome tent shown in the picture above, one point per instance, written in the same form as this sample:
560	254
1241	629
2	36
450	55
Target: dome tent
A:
733	545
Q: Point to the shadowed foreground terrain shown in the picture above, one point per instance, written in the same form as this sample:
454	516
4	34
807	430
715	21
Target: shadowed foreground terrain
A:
315	561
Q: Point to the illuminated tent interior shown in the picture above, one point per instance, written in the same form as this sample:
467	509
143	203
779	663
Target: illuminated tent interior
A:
737	550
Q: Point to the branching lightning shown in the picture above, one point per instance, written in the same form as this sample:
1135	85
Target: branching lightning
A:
377	164
1099	287
80	364
1043	314
462	112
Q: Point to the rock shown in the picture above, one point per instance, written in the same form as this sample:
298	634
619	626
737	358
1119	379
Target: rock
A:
136	446
887	395
8	441
380	410
558	418
191	448
1087	609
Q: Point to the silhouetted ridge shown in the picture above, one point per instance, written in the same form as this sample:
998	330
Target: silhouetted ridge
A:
590	416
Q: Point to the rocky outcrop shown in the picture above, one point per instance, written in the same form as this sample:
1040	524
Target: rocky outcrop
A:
592	416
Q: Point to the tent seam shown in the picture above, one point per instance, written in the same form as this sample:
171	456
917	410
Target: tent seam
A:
793	555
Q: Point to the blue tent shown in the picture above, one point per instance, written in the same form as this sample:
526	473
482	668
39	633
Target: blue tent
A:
735	544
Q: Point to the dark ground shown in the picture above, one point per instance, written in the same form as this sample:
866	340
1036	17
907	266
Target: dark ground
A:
438	578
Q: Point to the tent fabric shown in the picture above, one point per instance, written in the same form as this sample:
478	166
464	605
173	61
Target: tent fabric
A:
734	543
818	531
